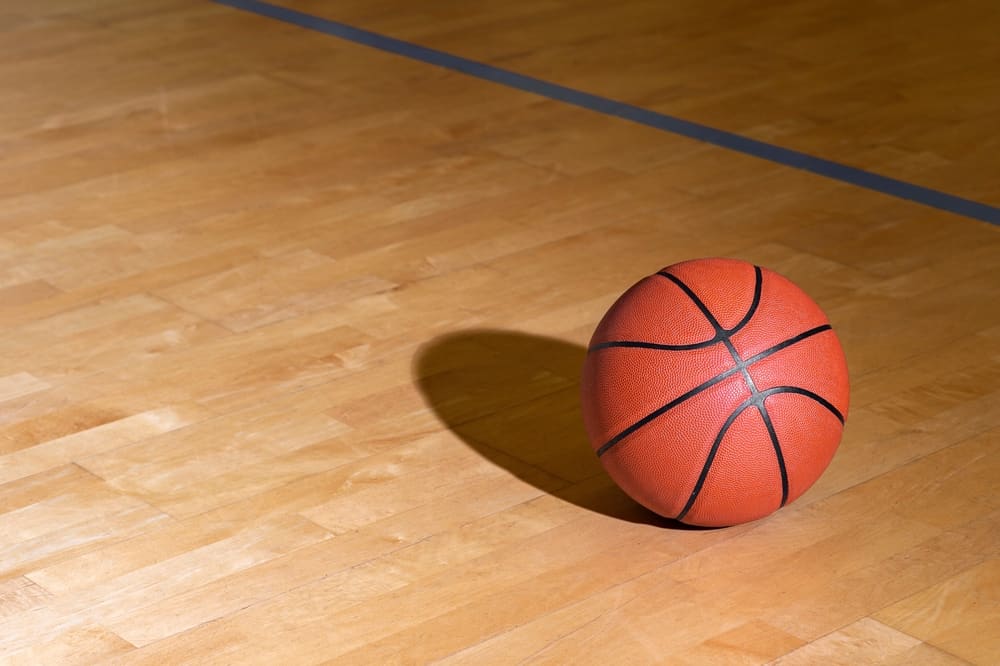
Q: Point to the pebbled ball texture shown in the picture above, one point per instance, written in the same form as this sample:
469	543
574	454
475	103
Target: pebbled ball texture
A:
715	392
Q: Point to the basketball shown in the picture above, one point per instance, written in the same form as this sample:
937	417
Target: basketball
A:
714	392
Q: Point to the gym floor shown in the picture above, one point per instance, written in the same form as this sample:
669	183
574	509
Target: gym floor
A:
294	300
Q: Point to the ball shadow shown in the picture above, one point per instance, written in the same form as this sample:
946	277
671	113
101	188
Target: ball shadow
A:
514	399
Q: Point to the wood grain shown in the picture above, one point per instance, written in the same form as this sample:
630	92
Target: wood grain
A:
291	332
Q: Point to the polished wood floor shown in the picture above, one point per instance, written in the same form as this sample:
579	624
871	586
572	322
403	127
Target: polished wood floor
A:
291	331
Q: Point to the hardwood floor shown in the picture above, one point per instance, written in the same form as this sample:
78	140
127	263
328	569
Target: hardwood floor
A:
291	331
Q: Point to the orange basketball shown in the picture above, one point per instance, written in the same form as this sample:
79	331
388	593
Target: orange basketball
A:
714	392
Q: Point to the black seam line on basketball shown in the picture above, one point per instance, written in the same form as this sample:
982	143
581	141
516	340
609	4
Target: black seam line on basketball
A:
772	433
741	365
758	401
709	384
665	408
708	343
787	343
758	287
807	393
653	345
721	332
711	456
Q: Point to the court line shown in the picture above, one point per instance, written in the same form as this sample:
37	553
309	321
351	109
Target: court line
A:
735	142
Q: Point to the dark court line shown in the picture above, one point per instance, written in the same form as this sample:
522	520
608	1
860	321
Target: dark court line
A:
686	128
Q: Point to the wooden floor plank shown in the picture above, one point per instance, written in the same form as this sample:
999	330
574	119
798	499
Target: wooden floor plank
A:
291	331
